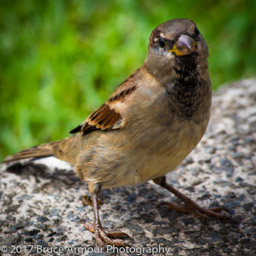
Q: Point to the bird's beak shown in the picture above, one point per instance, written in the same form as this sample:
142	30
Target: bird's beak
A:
184	45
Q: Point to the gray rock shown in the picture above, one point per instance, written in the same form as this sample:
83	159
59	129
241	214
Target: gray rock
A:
41	203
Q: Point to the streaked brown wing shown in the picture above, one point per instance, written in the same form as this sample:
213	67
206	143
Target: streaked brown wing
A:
107	116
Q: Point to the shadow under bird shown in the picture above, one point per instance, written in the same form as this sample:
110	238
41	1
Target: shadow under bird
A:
150	123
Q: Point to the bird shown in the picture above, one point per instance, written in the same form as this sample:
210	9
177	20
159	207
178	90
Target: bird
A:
146	128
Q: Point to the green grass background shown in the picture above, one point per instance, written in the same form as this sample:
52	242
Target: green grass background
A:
59	60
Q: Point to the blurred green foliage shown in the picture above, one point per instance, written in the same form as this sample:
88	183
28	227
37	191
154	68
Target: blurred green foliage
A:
59	60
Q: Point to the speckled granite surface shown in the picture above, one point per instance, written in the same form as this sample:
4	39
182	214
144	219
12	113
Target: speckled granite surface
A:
41	206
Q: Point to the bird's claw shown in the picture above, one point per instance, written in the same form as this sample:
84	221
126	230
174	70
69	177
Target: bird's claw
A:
107	237
198	211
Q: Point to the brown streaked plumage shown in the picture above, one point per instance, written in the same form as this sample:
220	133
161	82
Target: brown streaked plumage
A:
151	122
107	116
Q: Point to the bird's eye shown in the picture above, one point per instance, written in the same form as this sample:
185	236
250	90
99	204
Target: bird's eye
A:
196	31
161	42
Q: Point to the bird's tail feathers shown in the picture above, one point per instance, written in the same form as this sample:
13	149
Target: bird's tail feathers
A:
41	151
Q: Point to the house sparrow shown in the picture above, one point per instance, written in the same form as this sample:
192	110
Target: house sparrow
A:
151	122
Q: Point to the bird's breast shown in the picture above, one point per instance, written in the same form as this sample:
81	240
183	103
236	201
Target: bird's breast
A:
167	149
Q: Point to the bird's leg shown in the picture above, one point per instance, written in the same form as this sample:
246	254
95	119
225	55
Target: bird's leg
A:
87	200
102	237
189	205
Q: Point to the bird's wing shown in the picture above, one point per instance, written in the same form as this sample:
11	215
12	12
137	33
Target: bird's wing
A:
109	116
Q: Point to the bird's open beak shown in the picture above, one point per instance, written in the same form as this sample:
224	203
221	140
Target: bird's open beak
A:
184	45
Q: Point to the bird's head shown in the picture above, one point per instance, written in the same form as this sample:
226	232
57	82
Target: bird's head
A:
176	45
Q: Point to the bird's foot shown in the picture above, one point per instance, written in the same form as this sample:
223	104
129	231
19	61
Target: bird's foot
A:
199	212
107	237
189	205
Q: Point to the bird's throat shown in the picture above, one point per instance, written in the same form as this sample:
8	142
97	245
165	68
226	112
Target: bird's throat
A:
190	93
